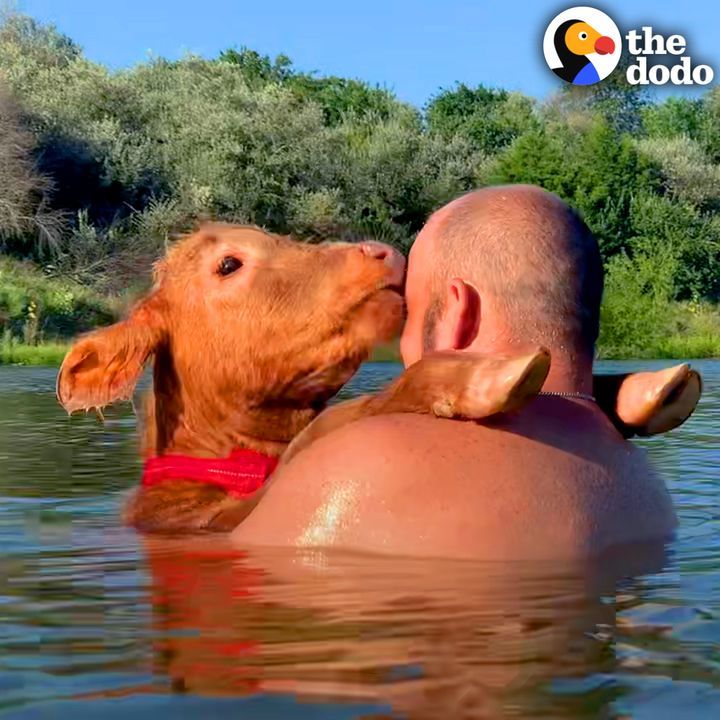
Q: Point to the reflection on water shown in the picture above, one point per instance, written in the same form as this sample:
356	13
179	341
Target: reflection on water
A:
96	621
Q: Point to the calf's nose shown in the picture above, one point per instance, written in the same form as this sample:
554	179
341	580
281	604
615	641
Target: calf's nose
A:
376	250
389	256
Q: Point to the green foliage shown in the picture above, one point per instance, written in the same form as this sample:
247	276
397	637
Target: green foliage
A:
44	43
99	169
687	174
257	69
596	169
710	137
490	119
17	353
640	318
656	224
35	308
338	97
637	307
673	117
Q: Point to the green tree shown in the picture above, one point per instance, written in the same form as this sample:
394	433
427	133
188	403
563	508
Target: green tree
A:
596	169
637	311
675	116
687	174
491	119
128	158
338	97
257	69
690	236
709	132
44	42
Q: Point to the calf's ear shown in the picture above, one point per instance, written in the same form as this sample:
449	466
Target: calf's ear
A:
104	366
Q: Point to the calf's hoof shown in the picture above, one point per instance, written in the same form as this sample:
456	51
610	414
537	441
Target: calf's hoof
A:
496	385
656	402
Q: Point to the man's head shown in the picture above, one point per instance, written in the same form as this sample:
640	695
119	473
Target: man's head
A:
502	268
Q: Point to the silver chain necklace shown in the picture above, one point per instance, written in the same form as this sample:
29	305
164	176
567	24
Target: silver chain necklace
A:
570	395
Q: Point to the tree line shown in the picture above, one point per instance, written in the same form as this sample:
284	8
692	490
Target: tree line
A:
100	169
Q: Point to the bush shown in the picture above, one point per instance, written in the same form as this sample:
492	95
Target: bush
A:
656	224
637	308
239	138
34	308
674	117
490	119
640	319
22	188
688	175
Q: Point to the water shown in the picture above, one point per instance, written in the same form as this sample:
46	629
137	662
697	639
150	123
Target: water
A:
96	621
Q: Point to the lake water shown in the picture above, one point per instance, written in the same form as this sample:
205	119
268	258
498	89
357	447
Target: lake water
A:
96	621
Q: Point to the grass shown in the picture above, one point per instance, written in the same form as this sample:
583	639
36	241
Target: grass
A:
390	352
700	346
40	314
37	309
16	353
679	347
674	348
673	330
13	352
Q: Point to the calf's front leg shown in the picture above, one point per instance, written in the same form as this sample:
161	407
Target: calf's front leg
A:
463	385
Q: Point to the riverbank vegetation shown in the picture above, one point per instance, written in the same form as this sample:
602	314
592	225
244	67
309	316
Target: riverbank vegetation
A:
100	169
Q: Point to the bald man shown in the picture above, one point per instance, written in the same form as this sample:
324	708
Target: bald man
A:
493	272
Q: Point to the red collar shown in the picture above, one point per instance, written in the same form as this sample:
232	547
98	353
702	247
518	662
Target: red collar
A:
240	474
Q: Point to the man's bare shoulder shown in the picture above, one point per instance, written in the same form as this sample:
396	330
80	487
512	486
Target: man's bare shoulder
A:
419	485
343	468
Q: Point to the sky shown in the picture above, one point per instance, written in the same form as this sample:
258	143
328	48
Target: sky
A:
412	47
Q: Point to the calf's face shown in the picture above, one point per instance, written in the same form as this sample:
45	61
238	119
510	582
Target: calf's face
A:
243	324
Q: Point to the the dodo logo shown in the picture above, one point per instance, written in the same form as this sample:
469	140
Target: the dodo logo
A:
582	45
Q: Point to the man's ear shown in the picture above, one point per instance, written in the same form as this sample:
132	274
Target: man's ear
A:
460	321
105	365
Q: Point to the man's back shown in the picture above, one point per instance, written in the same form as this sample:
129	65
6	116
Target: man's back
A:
556	480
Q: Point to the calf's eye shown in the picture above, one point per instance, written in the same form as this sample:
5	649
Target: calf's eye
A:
229	265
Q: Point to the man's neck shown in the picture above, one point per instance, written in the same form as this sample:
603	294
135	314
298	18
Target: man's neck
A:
566	376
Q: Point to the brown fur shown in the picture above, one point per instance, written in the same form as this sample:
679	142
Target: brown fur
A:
246	360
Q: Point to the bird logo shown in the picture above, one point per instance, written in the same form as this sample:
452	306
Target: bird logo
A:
582	45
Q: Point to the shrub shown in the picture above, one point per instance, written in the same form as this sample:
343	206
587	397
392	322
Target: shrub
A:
687	173
99	169
22	188
656	224
674	117
34	308
637	310
490	119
